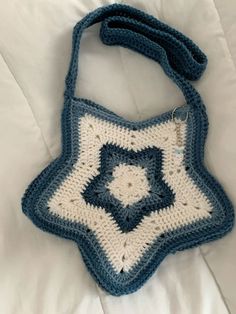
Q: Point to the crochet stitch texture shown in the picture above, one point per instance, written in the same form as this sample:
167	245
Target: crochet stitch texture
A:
130	193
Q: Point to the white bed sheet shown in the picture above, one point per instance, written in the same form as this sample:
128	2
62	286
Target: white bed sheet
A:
41	273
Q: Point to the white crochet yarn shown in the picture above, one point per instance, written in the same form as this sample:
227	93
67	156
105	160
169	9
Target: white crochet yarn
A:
130	184
125	249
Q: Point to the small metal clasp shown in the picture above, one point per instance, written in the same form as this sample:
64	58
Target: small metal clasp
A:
174	118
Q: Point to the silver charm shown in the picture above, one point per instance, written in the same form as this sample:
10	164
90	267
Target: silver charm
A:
179	146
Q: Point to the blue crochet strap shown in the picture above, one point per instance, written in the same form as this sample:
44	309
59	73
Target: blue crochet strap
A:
126	26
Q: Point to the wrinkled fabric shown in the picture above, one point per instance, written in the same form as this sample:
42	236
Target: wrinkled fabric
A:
42	273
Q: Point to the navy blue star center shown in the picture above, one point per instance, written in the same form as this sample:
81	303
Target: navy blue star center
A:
159	195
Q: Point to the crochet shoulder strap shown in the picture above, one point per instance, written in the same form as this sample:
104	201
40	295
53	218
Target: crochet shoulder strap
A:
126	26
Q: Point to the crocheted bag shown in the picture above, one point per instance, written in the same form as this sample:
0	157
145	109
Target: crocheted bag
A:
129	193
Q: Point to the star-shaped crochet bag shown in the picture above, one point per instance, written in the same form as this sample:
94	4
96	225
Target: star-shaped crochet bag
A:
130	193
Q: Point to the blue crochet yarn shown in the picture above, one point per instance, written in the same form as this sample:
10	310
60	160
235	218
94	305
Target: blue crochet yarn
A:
127	217
181	60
